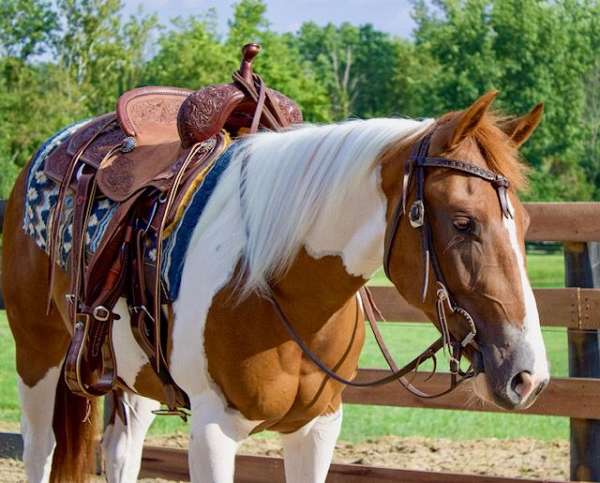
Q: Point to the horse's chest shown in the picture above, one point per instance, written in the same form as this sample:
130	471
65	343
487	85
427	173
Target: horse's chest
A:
263	374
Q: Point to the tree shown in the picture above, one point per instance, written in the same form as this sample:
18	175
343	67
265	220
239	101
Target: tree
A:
103	55
530	50
192	55
26	27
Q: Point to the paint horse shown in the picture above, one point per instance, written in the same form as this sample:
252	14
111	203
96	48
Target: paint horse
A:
302	217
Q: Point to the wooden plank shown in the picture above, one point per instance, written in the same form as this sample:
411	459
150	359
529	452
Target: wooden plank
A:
171	463
583	270
563	397
559	307
564	221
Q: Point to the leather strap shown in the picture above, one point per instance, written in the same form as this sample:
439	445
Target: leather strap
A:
410	367
58	211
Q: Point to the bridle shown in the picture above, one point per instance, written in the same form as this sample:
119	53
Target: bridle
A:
415	168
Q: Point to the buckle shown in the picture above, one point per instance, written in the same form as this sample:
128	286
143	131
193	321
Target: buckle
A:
101	313
454	365
416	214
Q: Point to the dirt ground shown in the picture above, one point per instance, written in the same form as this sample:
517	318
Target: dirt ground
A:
516	458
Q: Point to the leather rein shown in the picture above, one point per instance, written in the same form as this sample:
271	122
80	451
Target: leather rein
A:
415	168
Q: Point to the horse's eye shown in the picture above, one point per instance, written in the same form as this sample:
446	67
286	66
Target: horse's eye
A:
463	223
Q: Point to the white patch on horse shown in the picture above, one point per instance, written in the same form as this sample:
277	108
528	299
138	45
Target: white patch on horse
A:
37	413
353	227
319	187
129	355
210	262
216	433
308	452
122	444
531	322
213	253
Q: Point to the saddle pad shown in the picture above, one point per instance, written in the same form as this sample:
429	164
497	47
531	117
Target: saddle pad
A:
40	200
42	193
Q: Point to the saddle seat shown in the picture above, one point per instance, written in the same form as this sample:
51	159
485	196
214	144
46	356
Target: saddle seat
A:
154	129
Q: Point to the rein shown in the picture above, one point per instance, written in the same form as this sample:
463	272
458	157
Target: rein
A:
415	167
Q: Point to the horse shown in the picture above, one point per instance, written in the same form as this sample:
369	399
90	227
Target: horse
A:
302	217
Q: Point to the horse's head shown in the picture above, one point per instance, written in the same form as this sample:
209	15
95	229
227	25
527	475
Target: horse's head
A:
474	228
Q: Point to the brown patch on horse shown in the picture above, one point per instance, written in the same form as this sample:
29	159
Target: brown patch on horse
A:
41	341
260	370
148	384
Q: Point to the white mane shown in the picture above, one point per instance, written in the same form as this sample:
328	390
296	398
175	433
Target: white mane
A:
291	175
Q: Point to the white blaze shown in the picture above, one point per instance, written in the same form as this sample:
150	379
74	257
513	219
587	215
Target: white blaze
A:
531	323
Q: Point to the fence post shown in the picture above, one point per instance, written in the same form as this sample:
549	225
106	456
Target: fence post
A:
582	269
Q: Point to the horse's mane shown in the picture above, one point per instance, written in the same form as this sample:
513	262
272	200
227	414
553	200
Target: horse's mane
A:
292	176
501	155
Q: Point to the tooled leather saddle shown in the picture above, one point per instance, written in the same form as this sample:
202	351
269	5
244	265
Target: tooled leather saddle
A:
144	157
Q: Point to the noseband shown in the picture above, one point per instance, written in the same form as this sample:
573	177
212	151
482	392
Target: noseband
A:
415	168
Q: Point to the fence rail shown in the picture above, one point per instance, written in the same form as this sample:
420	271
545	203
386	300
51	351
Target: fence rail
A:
172	464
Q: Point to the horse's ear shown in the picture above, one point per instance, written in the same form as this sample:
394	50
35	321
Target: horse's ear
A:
518	129
470	118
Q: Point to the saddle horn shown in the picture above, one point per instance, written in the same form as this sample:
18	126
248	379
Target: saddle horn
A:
249	52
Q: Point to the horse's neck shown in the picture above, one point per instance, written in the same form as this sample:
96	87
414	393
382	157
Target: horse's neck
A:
341	252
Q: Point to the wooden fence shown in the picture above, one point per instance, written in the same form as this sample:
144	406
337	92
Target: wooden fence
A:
576	308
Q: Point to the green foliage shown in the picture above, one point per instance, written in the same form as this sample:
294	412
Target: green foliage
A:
26	27
530	50
63	60
190	56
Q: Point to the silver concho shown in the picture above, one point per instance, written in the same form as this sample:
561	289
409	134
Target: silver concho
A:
128	144
416	215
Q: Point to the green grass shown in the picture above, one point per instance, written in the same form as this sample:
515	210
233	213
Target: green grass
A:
545	271
406	341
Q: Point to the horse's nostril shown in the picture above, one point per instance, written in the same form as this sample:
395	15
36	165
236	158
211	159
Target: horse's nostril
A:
522	384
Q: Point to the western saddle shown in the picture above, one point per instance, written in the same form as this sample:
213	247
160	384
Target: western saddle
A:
144	157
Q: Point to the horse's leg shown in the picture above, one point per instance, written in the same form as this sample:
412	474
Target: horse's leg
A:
308	452
216	434
37	411
122	444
